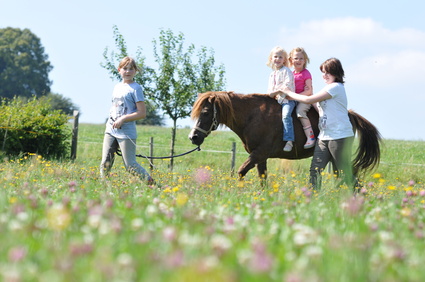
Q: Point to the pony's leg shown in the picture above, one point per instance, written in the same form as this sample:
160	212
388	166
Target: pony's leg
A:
245	167
250	163
262	170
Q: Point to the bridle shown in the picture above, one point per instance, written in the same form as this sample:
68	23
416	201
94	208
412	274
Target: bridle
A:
214	124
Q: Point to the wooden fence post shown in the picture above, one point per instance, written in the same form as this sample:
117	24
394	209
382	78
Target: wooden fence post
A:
74	136
151	153
232	168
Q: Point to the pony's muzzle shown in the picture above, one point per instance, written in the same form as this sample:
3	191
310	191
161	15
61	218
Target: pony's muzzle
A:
195	137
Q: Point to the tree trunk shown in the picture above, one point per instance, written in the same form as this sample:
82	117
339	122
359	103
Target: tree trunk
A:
173	141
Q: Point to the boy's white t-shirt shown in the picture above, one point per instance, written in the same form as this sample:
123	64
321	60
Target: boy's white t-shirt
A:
334	122
124	99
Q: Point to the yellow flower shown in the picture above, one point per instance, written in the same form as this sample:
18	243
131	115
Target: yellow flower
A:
377	175
392	187
58	217
405	212
12	200
181	199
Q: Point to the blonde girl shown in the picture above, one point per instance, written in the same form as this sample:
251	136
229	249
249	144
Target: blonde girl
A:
282	78
127	106
298	59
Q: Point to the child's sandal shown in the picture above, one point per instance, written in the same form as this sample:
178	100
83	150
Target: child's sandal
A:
288	147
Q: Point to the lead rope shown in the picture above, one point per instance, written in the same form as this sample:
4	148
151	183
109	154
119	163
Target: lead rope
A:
118	152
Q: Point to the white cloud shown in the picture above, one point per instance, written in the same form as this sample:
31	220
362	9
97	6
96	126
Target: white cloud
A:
371	54
404	69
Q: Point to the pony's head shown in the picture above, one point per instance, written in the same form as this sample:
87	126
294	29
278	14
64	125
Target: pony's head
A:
210	110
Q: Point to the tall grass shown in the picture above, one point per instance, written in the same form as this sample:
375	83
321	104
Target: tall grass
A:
60	222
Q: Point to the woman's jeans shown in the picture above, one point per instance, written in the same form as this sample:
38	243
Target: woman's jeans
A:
128	151
288	126
338	152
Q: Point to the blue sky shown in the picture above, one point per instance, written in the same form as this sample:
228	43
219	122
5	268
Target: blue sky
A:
381	45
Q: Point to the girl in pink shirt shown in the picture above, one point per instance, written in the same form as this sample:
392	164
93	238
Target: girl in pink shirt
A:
298	59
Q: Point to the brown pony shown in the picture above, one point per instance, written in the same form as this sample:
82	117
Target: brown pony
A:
257	120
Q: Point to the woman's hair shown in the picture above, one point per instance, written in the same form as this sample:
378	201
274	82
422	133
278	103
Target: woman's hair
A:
277	49
128	61
300	50
334	67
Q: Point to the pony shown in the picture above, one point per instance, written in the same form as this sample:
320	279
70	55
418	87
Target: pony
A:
257	120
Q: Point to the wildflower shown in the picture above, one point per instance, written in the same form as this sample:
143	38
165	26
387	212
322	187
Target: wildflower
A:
181	199
260	260
353	205
80	249
17	254
202	176
422	193
58	217
175	259
125	260
137	223
405	212
304	235
376	175
169	234
411	183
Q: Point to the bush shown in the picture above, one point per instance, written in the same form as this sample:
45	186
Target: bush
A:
33	127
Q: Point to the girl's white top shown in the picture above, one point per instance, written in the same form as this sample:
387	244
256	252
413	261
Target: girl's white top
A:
124	99
279	80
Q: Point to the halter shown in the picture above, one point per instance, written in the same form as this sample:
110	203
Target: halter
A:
214	124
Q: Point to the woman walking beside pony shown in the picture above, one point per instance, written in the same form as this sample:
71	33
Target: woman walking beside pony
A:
336	131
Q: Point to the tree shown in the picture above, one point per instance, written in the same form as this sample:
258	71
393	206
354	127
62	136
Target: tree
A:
24	67
178	80
144	77
59	102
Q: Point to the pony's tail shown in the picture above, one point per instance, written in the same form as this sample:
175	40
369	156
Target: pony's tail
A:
369	152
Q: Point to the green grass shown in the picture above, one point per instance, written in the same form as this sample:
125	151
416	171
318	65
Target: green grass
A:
60	222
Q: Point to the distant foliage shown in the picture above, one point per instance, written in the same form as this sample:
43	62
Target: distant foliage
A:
59	102
24	65
33	127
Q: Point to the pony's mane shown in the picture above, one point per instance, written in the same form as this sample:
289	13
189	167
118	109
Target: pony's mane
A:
223	104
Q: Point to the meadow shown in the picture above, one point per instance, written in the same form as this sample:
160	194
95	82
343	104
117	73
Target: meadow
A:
59	221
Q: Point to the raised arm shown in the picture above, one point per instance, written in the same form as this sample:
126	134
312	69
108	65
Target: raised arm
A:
318	97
